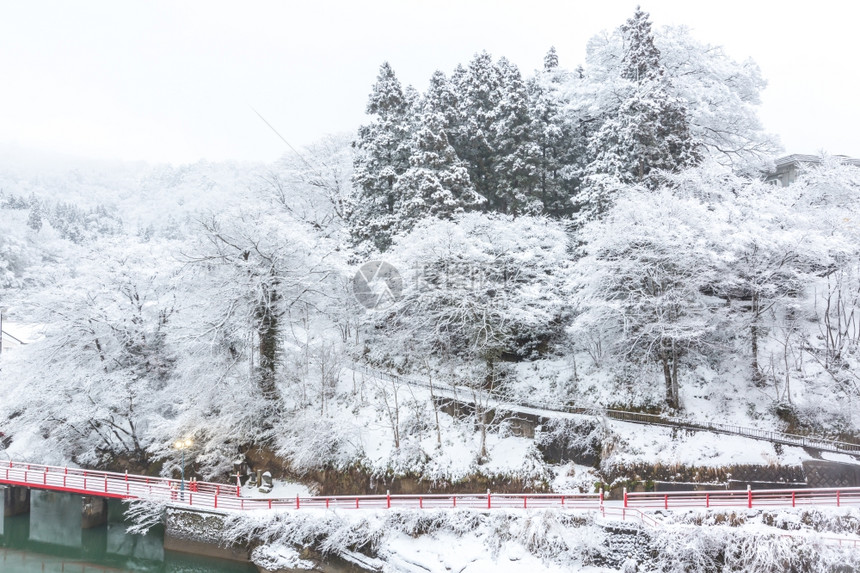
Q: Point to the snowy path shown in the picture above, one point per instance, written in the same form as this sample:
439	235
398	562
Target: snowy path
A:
473	396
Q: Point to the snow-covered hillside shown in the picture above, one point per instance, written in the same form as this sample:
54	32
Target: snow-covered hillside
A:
572	237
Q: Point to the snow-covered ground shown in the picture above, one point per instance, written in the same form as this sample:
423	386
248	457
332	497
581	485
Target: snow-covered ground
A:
420	541
281	489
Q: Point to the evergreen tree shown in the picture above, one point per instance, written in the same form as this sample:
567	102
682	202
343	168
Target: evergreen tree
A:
383	150
557	134
437	182
641	61
493	134
649	132
550	61
518	155
34	220
477	88
442	97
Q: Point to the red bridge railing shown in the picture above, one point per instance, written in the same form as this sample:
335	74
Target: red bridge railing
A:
748	498
216	496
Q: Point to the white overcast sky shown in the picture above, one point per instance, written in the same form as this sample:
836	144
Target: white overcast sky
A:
178	81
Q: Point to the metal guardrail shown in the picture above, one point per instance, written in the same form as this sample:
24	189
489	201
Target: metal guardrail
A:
823	444
749	498
114	485
207	496
216	496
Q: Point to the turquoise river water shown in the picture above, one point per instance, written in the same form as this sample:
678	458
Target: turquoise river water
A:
50	539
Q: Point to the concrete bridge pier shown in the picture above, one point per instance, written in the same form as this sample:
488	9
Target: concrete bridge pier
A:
199	533
94	511
16	500
94	534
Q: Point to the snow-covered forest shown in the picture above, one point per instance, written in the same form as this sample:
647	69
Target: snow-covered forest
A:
593	235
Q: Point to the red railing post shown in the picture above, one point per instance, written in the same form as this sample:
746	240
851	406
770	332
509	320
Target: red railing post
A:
326	502
601	498
420	502
792	499
489	503
525	502
665	501
356	503
270	503
837	498
216	498
749	495
625	497
455	501
707	500
388	499
106	484
297	501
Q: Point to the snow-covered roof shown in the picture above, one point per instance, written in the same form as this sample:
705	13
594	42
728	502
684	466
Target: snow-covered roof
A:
797	158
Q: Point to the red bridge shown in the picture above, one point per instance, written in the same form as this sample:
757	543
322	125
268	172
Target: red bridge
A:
216	496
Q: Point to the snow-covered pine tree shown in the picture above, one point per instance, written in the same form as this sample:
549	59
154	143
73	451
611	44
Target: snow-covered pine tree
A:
641	61
649	132
442	97
477	88
550	61
34	220
518	153
437	182
382	156
493	135
556	133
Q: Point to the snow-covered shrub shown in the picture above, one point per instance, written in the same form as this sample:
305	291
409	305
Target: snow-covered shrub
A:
577	440
312	442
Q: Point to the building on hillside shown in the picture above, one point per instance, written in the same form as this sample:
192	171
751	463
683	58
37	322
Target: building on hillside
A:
788	167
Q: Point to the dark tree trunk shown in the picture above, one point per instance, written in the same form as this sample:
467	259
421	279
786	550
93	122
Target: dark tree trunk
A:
267	331
754	334
669	361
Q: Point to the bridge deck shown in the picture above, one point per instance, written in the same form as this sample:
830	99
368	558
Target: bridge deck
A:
225	497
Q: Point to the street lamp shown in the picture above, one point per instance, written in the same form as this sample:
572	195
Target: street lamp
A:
182	445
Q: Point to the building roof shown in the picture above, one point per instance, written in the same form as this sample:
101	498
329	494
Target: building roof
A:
798	158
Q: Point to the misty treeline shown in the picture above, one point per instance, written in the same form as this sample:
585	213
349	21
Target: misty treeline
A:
612	216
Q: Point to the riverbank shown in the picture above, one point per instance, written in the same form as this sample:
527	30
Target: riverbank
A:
554	541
